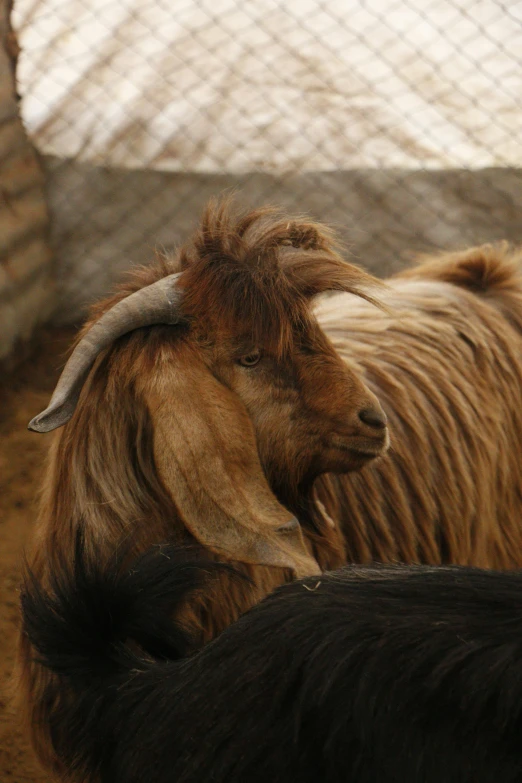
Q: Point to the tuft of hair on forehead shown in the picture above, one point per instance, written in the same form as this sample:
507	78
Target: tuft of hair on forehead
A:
254	274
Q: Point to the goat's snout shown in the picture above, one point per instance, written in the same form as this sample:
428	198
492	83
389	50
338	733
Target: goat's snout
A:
373	417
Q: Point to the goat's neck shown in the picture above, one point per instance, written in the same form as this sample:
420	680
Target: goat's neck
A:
323	534
300	501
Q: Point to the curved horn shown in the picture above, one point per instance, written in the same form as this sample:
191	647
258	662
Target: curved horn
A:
155	304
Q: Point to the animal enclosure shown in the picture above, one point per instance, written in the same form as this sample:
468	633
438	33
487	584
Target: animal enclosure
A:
397	123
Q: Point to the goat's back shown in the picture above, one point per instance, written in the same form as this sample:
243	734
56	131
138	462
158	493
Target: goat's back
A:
363	675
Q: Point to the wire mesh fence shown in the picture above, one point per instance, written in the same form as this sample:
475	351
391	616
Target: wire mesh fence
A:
397	122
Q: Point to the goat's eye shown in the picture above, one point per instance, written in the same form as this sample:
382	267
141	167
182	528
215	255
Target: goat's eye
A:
250	359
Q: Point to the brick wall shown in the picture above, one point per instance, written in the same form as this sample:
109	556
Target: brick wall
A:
26	279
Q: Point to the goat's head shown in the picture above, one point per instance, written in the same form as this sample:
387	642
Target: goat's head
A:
247	398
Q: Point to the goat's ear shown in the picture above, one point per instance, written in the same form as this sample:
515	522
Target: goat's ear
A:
206	455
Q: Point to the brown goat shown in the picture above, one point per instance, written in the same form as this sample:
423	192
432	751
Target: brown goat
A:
221	427
177	427
447	369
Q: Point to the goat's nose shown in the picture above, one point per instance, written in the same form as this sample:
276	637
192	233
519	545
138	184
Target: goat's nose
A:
289	526
373	417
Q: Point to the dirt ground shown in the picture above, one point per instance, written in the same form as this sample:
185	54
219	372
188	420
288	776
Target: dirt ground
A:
23	393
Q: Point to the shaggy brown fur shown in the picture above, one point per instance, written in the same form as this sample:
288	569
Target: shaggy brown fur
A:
174	439
447	368
159	443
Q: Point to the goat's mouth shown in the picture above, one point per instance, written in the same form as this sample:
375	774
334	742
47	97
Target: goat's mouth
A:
363	448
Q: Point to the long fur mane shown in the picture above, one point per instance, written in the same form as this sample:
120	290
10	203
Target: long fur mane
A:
446	366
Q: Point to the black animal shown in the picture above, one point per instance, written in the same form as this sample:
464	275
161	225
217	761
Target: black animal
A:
363	675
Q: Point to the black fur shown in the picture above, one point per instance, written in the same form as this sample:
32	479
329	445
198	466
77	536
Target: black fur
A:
365	675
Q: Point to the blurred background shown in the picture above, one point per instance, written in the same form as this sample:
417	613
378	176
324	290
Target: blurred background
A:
397	122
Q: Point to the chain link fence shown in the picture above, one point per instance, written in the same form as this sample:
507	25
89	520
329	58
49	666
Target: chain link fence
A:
397	122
